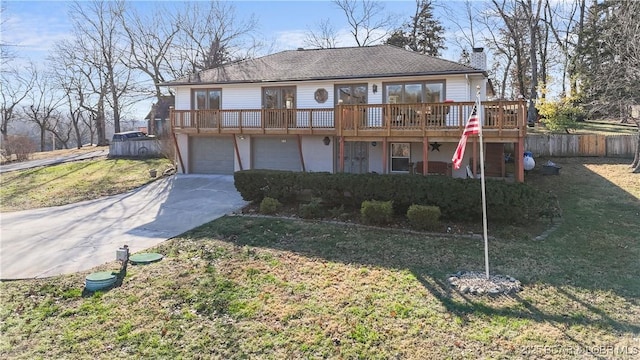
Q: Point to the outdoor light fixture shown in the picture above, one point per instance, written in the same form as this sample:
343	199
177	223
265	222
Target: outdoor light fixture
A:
375	88
241	137
326	140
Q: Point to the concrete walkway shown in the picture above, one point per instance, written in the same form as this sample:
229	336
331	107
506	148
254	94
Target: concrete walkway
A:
77	237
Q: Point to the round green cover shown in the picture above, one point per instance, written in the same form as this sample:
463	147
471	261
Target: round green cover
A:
101	276
145	258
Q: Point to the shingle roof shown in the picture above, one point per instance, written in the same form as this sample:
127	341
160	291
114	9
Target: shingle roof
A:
323	64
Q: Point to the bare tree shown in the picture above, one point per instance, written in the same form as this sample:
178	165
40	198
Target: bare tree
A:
565	21
98	23
150	39
42	108
6	53
368	20
326	37
70	82
210	35
15	85
75	61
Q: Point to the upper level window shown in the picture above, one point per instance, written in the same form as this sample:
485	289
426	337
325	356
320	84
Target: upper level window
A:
279	97
207	99
410	92
351	94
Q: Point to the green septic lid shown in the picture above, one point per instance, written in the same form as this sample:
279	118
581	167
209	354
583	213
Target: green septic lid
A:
101	276
145	258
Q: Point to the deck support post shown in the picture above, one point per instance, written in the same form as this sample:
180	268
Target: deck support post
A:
385	154
304	169
520	160
341	162
235	146
425	155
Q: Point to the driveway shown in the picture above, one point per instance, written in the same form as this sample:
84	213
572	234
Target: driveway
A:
77	237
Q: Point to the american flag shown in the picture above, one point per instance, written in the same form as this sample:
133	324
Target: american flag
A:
472	127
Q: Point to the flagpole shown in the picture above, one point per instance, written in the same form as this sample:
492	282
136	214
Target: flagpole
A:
482	186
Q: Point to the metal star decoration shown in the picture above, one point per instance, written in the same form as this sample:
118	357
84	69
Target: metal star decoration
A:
435	146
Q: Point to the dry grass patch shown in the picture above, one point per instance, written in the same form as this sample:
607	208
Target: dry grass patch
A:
73	182
244	287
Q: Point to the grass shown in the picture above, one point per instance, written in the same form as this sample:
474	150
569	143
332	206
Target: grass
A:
612	127
248	287
73	181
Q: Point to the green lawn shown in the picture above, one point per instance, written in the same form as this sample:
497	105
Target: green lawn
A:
611	127
250	287
74	181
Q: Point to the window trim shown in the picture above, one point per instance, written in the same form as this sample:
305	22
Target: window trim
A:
391	157
423	84
283	106
207	90
337	87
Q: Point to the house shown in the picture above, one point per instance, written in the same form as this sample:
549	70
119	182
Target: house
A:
376	109
158	117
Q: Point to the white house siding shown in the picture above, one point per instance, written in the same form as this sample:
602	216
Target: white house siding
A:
183	98
457	89
375	157
244	149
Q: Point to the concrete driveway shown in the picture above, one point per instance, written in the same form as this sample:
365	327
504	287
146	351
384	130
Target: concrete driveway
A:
77	237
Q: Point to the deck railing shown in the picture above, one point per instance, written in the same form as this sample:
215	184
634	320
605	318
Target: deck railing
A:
354	120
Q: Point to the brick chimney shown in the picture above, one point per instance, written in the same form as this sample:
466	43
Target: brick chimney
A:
478	58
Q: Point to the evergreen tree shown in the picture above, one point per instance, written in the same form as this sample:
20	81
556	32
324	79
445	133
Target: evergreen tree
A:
423	33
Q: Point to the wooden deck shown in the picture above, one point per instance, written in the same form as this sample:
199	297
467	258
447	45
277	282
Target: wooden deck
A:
504	121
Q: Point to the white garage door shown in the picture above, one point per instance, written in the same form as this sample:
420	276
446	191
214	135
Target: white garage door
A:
211	155
275	154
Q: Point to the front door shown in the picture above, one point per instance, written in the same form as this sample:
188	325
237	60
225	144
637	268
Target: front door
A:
356	157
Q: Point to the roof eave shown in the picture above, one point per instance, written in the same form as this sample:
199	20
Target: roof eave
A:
366	76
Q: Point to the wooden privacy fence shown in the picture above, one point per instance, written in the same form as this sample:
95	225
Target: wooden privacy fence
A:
581	145
136	148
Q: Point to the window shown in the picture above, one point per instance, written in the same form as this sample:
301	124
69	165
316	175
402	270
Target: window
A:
400	157
207	99
279	97
414	92
352	94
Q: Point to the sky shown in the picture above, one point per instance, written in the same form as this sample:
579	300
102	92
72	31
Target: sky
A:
34	26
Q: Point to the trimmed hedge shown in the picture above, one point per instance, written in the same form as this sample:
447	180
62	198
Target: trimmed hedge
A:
376	212
423	217
269	206
458	199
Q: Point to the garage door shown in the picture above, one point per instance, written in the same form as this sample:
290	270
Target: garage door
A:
276	153
211	155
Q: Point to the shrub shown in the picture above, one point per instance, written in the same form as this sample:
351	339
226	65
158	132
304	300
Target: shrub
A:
312	210
423	217
20	146
458	199
560	115
269	206
376	212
